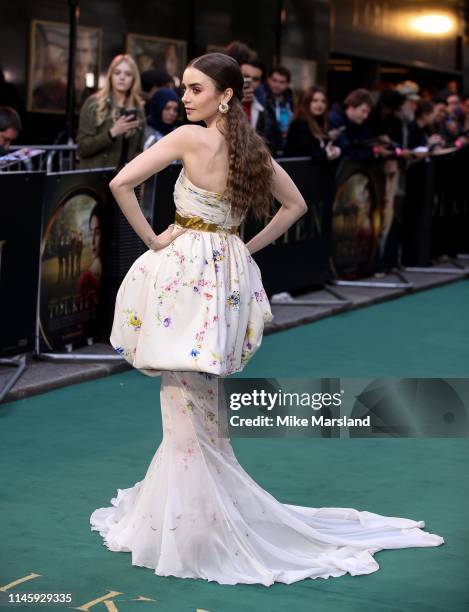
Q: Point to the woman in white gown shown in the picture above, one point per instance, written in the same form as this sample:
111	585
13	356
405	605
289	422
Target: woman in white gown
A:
192	309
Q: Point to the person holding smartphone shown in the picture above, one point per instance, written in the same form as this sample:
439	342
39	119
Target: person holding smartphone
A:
262	119
112	121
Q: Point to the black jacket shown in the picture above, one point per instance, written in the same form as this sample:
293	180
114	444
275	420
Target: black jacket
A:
355	140
417	136
301	142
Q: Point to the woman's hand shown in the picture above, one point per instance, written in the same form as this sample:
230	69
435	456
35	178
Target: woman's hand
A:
435	139
334	133
332	151
124	124
166	237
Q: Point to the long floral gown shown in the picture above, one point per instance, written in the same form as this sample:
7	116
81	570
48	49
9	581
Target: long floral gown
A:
193	313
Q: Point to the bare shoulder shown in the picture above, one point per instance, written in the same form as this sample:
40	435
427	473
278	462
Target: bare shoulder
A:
191	134
200	138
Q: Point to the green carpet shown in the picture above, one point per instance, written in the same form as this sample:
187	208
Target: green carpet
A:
66	452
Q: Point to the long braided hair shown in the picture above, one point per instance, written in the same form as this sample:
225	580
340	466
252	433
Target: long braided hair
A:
250	168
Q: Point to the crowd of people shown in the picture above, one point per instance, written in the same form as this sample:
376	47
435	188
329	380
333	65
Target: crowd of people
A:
133	110
395	122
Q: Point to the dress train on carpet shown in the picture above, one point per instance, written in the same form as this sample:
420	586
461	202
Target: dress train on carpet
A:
198	514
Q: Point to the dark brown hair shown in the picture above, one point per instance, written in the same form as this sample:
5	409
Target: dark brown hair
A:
282	71
240	52
357	97
249	161
303	112
9	118
424	107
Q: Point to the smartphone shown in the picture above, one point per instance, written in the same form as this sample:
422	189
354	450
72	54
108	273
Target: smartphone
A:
128	112
336	132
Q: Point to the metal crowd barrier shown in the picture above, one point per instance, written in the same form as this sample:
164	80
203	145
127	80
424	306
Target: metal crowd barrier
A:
52	158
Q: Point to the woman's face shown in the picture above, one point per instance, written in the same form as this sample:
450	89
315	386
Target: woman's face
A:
169	113
200	99
95	230
122	78
440	111
317	105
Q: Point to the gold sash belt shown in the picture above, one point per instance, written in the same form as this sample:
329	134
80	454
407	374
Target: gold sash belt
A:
198	223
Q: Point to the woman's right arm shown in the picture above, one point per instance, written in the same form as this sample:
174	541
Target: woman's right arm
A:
175	145
90	141
292	208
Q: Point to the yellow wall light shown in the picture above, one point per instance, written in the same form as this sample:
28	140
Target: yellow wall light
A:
434	24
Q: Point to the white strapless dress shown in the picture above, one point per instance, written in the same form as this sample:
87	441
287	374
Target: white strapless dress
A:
196	513
197	305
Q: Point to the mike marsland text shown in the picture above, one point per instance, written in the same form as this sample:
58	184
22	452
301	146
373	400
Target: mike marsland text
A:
295	421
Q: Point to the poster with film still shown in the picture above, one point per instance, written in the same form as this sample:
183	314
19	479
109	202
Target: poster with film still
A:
76	219
303	72
47	82
155	53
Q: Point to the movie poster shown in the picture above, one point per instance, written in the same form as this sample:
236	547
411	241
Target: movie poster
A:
75	222
47	84
364	222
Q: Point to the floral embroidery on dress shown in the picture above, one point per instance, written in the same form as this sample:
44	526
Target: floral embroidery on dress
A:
181	258
163	321
233	300
260	295
216	358
133	319
167	289
247	344
128	354
188	454
217	257
142	269
210	416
